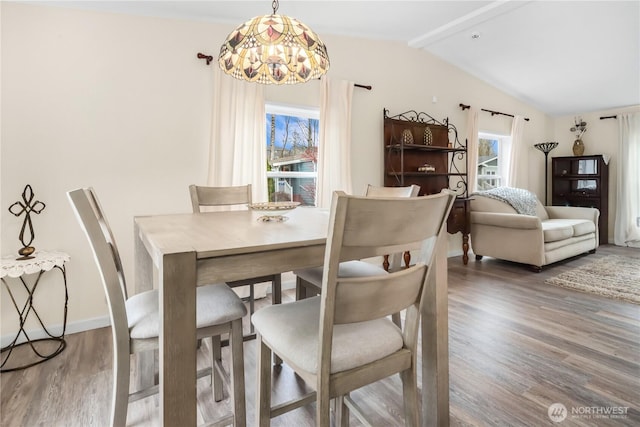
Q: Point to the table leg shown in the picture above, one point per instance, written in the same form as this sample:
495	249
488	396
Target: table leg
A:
178	340
143	264
435	345
276	295
144	275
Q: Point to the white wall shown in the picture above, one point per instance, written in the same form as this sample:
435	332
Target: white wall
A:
115	102
122	104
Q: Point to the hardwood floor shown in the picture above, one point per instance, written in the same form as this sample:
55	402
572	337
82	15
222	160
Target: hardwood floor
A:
517	346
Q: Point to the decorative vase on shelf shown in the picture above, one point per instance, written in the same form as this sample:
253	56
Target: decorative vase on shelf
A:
407	137
578	147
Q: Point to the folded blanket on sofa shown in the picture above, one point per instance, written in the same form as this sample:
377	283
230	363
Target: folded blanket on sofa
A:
523	201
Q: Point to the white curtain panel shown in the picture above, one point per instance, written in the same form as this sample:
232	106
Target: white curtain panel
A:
627	228
472	150
237	154
518	170
334	157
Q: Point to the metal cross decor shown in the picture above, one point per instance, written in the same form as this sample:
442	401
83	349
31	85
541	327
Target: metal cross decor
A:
26	207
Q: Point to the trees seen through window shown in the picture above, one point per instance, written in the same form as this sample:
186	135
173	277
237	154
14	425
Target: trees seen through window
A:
292	153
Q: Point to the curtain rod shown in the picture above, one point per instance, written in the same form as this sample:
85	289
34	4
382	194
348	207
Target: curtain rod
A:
493	113
209	58
608	117
367	87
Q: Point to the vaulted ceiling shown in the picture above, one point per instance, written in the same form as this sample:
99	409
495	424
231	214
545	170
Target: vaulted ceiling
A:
561	57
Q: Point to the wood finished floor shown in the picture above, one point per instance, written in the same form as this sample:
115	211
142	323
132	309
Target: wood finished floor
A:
517	345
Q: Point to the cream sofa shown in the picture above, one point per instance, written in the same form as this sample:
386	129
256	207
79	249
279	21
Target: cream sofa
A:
553	234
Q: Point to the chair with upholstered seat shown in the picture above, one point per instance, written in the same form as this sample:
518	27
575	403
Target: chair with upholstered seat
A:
309	280
135	321
234	196
342	340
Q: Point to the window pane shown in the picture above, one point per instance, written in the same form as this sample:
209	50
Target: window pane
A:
292	151
486	183
489	162
301	190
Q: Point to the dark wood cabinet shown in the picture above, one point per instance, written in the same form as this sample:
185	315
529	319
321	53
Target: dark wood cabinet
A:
421	150
582	181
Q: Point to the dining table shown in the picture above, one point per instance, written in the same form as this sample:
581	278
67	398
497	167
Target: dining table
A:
175	253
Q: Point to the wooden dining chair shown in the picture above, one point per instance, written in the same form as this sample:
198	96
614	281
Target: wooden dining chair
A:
342	339
135	320
309	280
233	196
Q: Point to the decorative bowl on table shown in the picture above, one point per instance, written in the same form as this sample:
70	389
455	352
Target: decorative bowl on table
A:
273	211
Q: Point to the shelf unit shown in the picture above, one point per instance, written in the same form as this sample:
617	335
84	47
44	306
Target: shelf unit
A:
413	139
582	181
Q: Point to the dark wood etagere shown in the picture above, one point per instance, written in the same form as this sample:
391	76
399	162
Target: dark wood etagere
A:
582	181
415	140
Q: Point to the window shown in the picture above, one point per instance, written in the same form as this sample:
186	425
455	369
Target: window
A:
492	160
292	153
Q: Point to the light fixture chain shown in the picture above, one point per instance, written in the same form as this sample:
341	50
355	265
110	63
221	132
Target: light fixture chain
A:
275	4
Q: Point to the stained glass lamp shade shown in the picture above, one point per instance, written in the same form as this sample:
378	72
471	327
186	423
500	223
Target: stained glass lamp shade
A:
274	49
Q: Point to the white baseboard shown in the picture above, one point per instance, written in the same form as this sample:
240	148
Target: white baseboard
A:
72	328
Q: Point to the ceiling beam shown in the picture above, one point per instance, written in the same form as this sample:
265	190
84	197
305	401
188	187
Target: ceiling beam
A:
464	22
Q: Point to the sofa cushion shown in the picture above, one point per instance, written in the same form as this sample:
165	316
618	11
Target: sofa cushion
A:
481	203
541	211
555	230
582	227
560	229
523	201
487	204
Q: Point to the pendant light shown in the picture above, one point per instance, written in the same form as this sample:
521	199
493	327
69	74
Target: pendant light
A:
274	49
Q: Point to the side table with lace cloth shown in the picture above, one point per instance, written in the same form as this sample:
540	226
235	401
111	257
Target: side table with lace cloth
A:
26	275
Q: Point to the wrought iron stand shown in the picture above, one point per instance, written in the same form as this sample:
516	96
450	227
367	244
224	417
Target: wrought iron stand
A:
41	263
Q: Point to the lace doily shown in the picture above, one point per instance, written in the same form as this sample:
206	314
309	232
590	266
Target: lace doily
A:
41	261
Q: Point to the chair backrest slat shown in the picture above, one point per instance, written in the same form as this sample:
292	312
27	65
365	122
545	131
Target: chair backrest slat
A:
219	196
396	258
375	226
93	222
366	298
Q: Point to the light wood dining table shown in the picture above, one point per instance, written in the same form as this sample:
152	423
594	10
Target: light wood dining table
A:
176	253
